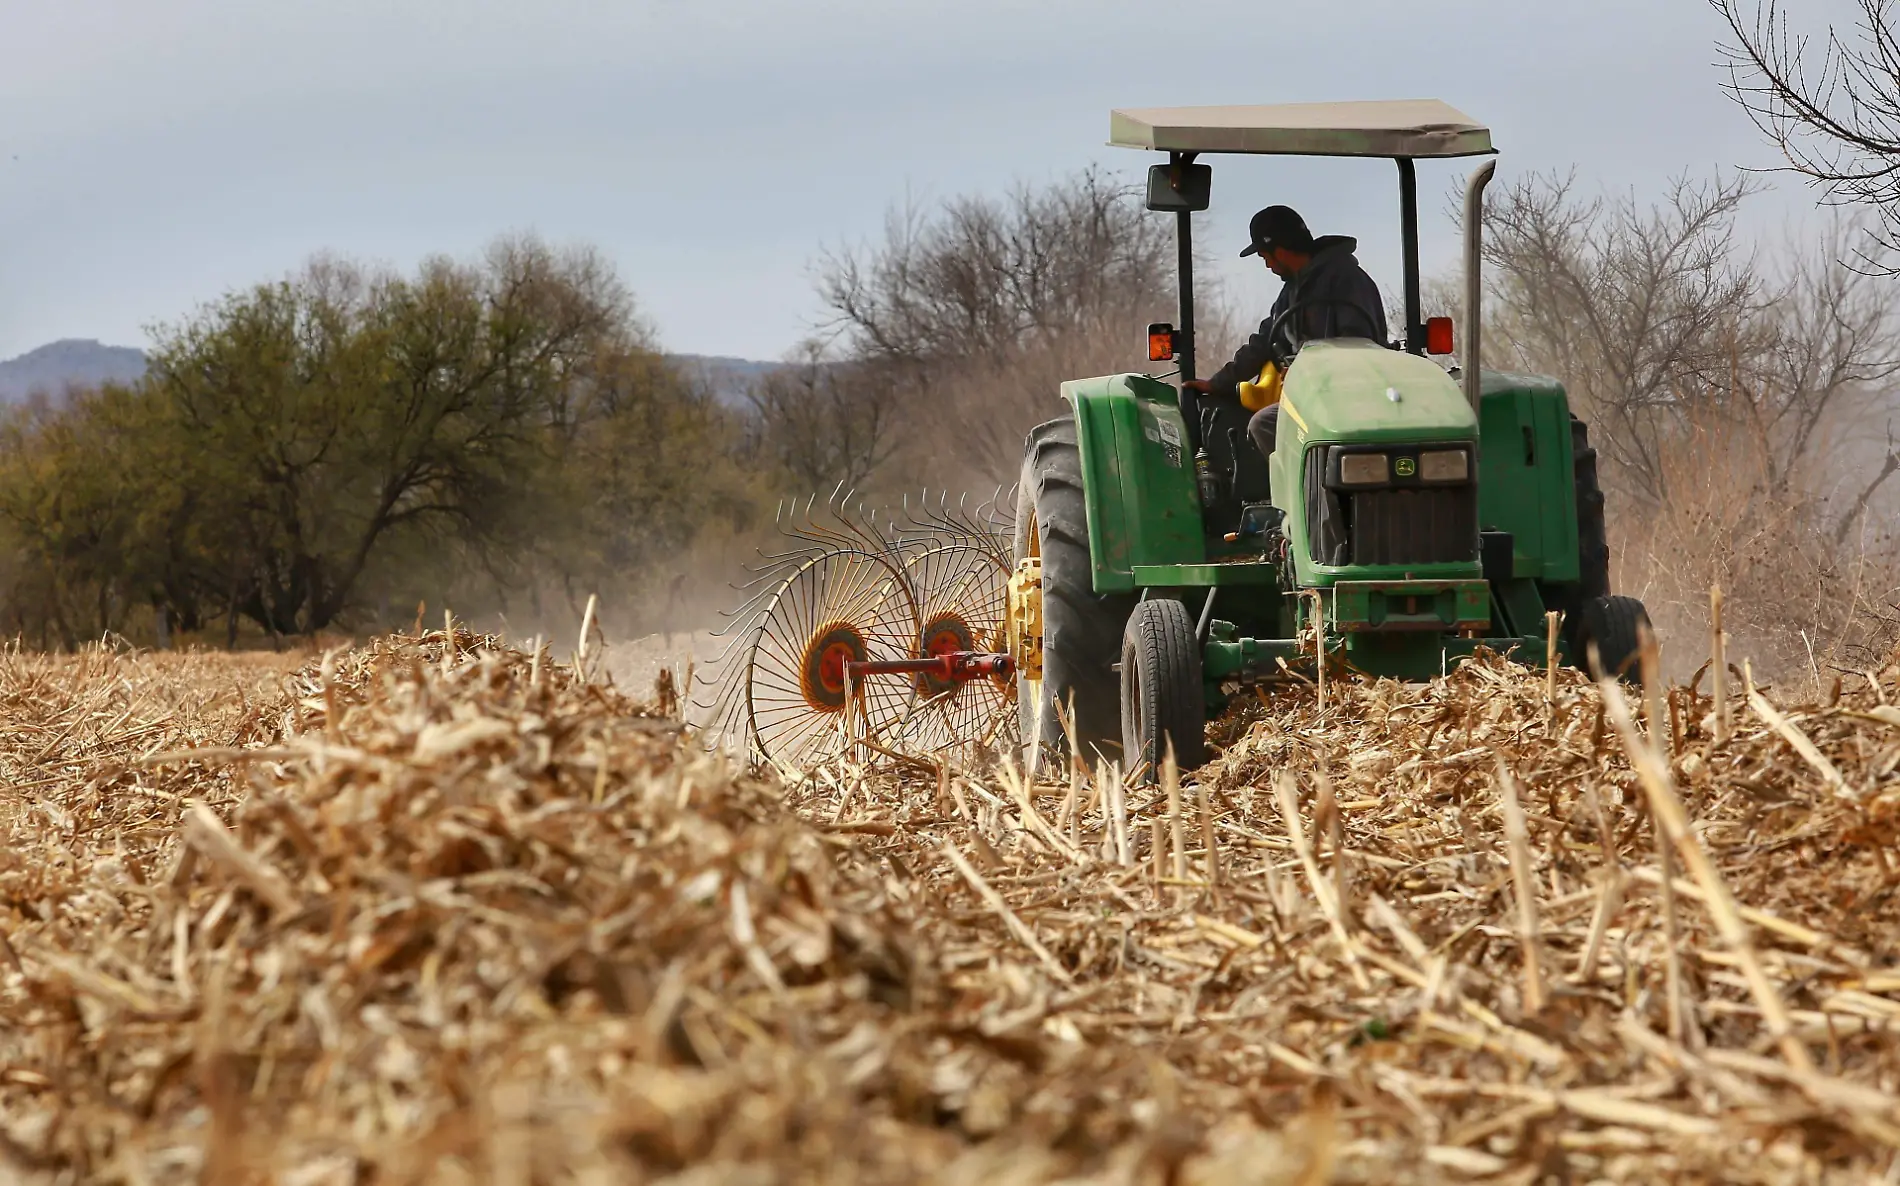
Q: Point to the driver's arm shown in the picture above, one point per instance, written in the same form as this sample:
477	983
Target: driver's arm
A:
1247	360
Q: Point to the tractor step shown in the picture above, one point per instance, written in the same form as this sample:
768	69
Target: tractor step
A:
1201	576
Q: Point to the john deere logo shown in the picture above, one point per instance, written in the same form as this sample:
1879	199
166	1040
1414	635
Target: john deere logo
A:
1405	467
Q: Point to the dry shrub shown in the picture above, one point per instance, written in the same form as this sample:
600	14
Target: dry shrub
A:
1809	592
971	423
955	423
968	426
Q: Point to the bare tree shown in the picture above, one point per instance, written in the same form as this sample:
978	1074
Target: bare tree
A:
951	336
1665	327
1826	347
1739	401
1628	303
982	277
827	420
1834	115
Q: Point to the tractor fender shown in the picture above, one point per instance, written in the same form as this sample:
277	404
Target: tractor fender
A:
1137	476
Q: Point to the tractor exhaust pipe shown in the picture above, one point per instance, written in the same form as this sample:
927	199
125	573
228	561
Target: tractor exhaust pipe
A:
1474	277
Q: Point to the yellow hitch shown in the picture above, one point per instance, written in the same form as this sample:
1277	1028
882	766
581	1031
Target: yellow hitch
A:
1023	626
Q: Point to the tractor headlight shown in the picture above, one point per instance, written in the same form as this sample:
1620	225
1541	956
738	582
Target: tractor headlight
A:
1444	465
1363	469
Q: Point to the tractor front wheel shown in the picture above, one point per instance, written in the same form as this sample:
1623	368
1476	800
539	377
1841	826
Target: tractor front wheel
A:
1162	699
1614	625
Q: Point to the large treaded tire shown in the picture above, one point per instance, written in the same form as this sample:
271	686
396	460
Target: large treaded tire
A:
1161	694
1615	625
1081	629
1593	549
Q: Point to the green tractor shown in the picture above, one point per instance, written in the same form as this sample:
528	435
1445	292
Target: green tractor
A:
1409	515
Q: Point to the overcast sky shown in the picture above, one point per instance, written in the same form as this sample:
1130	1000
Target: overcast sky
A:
156	153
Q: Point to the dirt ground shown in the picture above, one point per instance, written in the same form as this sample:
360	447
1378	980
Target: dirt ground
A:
636	663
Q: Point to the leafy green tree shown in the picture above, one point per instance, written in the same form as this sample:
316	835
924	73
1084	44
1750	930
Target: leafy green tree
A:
341	408
99	503
300	451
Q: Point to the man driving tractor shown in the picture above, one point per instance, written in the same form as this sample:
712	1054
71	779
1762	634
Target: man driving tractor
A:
1334	297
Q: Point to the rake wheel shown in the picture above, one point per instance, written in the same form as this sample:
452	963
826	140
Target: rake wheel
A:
850	584
836	607
960	591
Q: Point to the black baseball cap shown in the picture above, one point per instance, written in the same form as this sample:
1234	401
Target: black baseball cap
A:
1277	226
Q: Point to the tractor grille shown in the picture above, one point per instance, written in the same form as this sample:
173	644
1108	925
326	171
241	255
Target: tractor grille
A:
1401	523
1418	526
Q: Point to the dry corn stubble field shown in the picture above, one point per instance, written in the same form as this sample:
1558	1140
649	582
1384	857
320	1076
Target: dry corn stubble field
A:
427	911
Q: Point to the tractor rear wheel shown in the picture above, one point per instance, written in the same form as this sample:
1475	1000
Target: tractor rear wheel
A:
1593	546
1162	699
1615	626
1081	629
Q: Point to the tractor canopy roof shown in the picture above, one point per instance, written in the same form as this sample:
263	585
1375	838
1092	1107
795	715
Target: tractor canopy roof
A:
1398	128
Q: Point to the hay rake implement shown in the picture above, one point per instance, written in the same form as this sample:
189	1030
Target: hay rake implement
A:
870	634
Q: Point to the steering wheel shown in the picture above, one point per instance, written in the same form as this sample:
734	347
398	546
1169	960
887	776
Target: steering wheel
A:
1293	343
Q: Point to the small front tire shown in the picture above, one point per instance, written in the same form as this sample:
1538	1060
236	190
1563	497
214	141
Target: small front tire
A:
1162	698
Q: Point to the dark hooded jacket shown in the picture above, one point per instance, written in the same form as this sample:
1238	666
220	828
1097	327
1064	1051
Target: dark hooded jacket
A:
1332	275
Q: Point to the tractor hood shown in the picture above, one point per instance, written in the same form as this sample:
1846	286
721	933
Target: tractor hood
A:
1351	389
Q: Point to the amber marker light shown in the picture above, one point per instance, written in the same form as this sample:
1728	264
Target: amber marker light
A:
1160	343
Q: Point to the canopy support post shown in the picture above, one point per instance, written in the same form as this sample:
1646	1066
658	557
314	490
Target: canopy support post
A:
1408	246
1474	279
1190	401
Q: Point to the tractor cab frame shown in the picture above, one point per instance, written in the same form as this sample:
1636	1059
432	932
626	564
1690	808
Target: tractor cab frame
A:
1403	131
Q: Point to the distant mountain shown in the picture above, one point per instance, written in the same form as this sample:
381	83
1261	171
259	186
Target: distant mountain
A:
71	362
76	362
